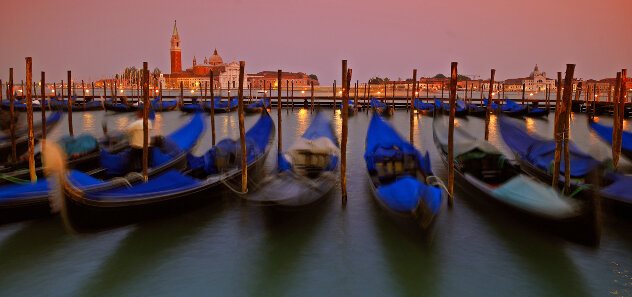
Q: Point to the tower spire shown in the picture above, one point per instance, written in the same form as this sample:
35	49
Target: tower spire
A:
175	29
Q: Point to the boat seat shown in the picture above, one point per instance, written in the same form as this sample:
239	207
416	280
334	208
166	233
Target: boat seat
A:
391	168
307	162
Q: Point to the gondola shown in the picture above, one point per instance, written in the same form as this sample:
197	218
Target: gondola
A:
31	200
513	109
424	108
379	107
20	106
195	106
476	110
534	112
397	175
89	106
351	107
164	105
258	106
224	106
485	174
121	107
605	133
21	138
82	154
106	204
306	172
460	109
536	154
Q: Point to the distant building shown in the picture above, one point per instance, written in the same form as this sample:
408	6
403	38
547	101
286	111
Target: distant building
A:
536	81
225	75
267	78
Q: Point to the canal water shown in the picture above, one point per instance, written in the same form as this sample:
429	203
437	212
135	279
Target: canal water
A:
232	248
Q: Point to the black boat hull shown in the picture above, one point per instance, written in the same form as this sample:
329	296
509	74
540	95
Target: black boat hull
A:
89	215
582	229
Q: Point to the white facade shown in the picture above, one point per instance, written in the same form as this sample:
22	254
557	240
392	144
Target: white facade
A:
537	81
229	79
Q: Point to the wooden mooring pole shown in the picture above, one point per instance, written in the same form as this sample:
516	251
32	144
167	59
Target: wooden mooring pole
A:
29	118
242	133
453	82
70	104
14	157
412	109
346	78
43	91
618	125
212	109
489	103
83	89
145	121
181	101
334	94
280	147
312	87
568	94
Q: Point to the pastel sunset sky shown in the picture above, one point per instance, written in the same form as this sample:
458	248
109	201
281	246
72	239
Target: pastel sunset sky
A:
95	39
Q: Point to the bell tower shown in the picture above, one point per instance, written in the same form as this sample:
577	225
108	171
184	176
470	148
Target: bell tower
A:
176	51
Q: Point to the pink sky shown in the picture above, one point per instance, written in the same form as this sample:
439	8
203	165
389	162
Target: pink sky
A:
384	38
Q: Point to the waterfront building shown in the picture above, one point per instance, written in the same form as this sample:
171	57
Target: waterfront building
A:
225	75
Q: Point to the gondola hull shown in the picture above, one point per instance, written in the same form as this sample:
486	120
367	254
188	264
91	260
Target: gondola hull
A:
121	107
582	228
288	192
87	215
21	141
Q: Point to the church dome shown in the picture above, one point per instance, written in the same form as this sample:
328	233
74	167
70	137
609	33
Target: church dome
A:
215	59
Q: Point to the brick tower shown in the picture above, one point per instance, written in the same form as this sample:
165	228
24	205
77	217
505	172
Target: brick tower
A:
176	51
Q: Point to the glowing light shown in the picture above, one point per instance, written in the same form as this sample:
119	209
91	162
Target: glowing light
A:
88	91
596	95
493	93
192	91
303	92
53	91
20	91
378	92
415	111
339	92
156	91
121	91
416	93
531	94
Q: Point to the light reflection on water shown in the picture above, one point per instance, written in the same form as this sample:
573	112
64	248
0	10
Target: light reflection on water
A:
122	122
303	122
88	122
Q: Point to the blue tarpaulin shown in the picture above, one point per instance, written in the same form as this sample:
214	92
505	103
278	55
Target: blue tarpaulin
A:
605	133
541	152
